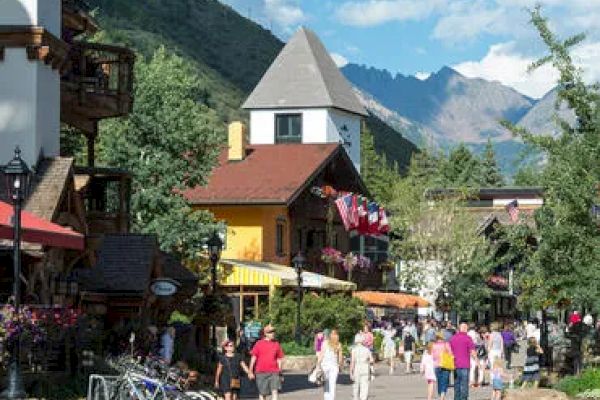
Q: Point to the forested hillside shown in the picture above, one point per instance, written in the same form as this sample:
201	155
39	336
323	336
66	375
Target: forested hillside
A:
229	52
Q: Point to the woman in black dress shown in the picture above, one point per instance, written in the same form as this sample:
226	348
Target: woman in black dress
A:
227	377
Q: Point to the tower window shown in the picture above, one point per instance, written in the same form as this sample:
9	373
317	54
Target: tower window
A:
288	128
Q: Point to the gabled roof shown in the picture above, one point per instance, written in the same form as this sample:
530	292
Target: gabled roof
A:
304	76
124	265
270	174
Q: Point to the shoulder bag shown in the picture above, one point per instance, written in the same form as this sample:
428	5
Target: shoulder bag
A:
234	383
317	376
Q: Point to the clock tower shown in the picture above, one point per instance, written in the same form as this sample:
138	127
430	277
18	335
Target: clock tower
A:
304	98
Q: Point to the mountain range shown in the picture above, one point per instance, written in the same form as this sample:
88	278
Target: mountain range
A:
231	52
448	108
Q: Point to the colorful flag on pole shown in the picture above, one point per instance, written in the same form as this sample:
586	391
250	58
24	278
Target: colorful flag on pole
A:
363	216
512	209
344	205
384	225
373	210
354	212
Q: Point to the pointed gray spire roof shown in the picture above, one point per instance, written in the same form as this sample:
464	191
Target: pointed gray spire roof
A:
303	76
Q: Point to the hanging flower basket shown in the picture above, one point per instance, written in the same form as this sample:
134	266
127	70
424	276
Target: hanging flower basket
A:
331	256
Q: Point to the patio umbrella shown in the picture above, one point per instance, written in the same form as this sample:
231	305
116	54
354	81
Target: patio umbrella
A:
38	230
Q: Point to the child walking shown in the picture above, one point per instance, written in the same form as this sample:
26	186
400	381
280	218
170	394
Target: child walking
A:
428	370
497	376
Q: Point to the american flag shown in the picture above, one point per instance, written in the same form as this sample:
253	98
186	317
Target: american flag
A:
344	206
512	209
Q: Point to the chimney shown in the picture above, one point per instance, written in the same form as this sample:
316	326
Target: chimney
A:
237	141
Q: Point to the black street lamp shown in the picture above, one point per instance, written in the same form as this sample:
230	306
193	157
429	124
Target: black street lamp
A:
17	181
215	245
299	262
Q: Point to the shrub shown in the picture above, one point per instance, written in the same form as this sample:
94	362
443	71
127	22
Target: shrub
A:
346	314
572	385
294	349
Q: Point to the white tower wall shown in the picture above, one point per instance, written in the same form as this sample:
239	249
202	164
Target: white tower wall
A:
319	125
29	89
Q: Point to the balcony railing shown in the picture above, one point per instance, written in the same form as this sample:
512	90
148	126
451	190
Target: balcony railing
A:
106	193
97	82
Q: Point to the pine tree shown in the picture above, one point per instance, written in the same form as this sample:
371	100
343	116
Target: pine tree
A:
490	173
375	171
462	168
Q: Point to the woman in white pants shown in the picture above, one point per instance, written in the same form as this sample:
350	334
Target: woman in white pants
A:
360	368
330	359
495	344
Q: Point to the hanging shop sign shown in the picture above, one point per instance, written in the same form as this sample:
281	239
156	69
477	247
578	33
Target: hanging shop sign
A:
163	287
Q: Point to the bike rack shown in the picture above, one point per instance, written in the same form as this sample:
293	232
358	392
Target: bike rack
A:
104	382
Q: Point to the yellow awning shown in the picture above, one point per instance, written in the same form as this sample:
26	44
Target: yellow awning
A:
251	273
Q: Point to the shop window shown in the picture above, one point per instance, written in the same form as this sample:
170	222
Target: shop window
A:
288	128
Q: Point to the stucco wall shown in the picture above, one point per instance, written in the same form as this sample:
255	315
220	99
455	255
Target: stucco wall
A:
29	90
46	13
319	125
251	232
336	119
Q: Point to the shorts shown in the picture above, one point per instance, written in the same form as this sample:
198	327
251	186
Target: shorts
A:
429	381
497	384
268	382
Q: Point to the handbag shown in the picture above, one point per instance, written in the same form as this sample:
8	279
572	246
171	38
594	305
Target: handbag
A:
234	383
316	376
447	361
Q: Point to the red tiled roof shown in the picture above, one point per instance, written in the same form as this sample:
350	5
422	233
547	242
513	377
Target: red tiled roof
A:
270	174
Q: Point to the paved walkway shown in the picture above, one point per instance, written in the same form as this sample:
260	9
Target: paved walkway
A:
385	387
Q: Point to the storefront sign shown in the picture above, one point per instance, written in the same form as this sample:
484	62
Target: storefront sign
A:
163	287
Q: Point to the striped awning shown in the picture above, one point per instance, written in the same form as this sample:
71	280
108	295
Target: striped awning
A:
251	273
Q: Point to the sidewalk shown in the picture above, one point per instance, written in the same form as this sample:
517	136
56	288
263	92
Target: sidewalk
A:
385	387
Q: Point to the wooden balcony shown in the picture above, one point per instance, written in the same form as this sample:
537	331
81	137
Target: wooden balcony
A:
106	193
96	83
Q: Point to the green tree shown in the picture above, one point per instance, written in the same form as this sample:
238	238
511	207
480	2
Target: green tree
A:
490	173
377	174
462	168
528	175
563	267
169	143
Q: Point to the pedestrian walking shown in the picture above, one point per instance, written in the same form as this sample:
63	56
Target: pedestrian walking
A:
330	359
265	363
531	370
510	344
463	349
368	337
361	360
167	344
389	346
319	339
228	374
428	369
442	375
495	344
497	377
409	348
477	370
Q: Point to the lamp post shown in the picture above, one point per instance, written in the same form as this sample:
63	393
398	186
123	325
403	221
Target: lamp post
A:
215	245
17	180
299	261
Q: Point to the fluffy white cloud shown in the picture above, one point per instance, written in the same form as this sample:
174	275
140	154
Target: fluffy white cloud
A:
504	64
422	75
375	12
287	14
339	60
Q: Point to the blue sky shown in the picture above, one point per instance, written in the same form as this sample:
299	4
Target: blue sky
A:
491	39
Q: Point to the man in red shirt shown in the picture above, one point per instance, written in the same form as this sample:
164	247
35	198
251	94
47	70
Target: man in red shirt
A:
267	357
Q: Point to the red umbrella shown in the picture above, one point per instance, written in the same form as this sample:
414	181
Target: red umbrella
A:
38	230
